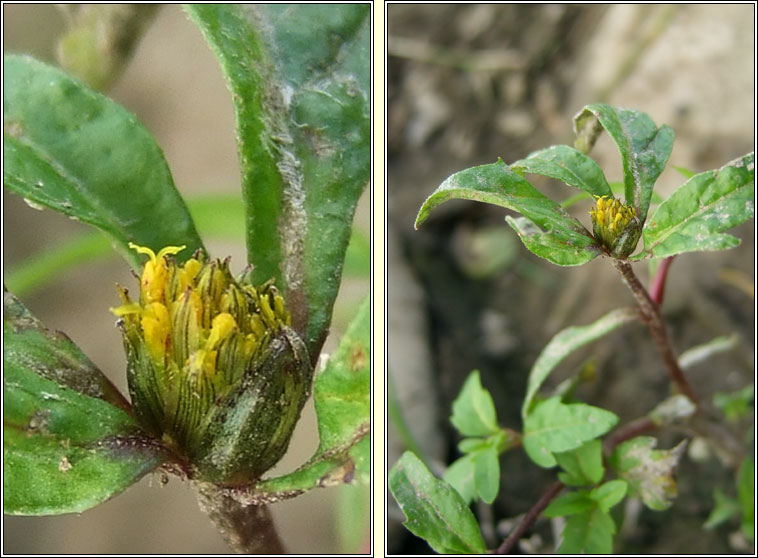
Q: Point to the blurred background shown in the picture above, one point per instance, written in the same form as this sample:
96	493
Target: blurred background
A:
174	85
470	83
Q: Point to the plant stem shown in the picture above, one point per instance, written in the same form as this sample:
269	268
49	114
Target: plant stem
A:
248	529
659	281
531	516
652	318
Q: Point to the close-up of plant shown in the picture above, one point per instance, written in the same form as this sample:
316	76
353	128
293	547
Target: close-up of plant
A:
601	461
219	365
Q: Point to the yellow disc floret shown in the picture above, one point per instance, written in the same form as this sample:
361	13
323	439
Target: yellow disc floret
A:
615	226
202	331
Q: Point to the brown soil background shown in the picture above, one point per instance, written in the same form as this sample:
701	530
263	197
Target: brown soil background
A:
469	84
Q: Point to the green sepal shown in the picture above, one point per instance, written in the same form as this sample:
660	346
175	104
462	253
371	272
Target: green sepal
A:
251	428
627	240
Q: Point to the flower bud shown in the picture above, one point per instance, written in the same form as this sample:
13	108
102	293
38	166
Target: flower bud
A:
615	226
214	369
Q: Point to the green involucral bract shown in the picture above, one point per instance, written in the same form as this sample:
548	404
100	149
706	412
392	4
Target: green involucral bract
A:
213	366
615	226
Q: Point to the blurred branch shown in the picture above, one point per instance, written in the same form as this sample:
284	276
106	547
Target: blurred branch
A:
472	61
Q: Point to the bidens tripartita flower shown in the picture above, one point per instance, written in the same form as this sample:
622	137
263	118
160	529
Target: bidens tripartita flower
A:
214	369
615	226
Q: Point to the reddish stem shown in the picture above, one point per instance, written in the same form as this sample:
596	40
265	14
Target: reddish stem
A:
658	284
652	318
531	516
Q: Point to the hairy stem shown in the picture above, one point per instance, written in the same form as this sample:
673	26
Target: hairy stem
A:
652	318
247	528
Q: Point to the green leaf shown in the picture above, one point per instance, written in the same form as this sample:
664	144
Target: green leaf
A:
564	343
609	494
590	532
434	510
570	504
735	405
644	147
583	465
44	266
553	427
724	509
746	496
68	443
460	475
546	229
568	165
649	472
473	409
342	395
694	217
73	150
701	352
300	80
487	474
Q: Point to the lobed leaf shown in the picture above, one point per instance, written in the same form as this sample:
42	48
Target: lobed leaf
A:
590	532
77	152
568	165
300	79
342	396
564	343
570	504
434	510
553	427
546	229
473	409
583	465
644	147
694	217
69	444
609	494
487	474
724	508
460	475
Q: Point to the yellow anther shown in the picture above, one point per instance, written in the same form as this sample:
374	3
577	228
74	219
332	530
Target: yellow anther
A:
156	325
223	326
155	273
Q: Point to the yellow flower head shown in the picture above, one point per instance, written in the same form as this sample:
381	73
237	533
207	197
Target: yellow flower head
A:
615	226
191	338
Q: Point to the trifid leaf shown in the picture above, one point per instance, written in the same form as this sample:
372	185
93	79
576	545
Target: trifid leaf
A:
590	532
609	494
553	426
487	474
583	465
644	147
460	475
75	151
434	510
570	504
473	409
694	217
69	444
